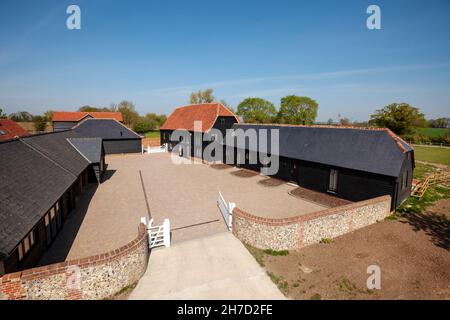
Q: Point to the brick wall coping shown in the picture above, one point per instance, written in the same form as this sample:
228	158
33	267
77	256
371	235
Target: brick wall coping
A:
309	216
61	267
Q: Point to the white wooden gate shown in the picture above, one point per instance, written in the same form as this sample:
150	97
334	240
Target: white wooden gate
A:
158	235
226	209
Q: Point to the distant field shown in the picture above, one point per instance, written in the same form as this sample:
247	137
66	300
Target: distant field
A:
432	132
152	134
432	154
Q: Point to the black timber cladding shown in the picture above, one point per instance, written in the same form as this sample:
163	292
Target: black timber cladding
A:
373	151
63	125
117	138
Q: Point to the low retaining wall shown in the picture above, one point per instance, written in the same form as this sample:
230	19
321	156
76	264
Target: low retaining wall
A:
96	277
296	232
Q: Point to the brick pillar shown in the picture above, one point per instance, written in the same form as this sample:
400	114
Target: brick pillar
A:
11	287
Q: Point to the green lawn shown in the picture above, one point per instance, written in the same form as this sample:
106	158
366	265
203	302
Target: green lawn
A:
432	132
432	154
152	134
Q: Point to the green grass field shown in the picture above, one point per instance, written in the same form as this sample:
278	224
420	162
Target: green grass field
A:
432	132
432	154
152	134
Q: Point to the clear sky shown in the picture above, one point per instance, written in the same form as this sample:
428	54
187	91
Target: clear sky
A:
155	53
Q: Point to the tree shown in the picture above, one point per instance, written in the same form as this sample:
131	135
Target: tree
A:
2	114
40	123
150	122
21	116
205	96
129	114
48	115
330	121
401	118
297	110
344	121
256	110
439	123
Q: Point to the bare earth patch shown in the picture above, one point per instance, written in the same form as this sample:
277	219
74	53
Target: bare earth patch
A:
413	260
319	197
220	166
271	182
244	173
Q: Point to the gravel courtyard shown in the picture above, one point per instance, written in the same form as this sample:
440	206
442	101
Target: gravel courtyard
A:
108	215
187	194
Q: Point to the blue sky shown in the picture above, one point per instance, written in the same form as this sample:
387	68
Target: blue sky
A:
155	53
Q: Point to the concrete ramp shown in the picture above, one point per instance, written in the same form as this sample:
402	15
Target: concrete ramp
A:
213	267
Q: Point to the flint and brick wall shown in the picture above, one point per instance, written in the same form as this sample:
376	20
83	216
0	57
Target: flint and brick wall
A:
96	277
296	232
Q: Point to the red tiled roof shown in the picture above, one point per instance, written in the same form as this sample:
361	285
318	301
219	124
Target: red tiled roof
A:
9	130
207	113
77	116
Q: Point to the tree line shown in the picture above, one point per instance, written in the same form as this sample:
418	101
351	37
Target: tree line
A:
401	118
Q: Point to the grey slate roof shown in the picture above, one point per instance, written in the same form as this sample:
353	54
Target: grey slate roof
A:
90	148
108	129
56	147
374	151
30	184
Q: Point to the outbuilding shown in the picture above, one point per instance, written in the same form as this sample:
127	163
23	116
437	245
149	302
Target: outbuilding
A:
117	138
349	162
65	120
207	115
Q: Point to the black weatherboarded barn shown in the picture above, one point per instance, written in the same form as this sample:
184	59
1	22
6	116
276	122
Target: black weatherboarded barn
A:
41	177
351	163
117	138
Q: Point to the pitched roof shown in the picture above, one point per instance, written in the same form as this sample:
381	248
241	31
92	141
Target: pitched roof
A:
108	129
184	117
78	116
56	147
371	150
30	184
90	148
10	130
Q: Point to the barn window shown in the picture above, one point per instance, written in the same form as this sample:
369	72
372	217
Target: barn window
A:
27	243
332	186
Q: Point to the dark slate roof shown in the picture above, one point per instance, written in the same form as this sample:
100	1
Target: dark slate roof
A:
108	129
30	183
371	150
56	147
90	148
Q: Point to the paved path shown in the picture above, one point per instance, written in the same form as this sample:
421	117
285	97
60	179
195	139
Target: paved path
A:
213	267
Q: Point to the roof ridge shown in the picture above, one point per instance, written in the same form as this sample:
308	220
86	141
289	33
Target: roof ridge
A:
47	157
81	153
398	140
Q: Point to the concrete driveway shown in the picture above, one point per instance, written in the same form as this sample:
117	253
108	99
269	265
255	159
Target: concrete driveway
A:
212	267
